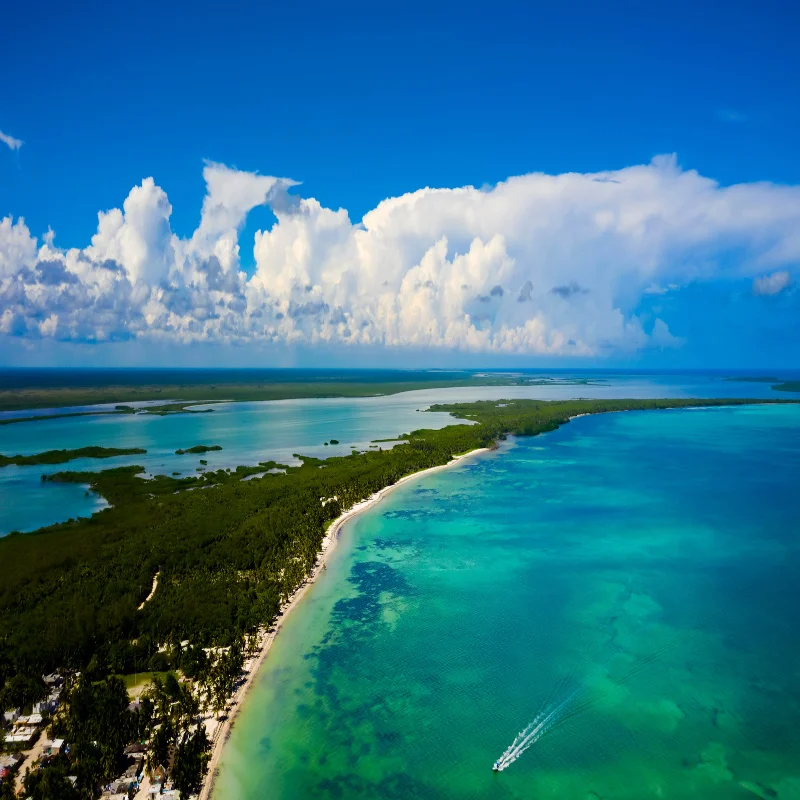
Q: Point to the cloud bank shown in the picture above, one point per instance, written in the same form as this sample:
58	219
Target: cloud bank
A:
538	264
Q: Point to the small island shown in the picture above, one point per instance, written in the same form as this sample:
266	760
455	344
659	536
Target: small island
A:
777	384
62	456
198	449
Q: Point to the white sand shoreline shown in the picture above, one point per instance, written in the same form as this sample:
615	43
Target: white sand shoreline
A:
222	731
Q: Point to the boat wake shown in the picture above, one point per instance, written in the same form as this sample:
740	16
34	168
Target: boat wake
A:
555	712
544	721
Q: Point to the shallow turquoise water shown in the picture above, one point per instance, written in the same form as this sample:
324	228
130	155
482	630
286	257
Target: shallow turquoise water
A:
247	432
638	568
251	432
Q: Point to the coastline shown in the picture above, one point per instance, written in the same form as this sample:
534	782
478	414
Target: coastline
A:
222	729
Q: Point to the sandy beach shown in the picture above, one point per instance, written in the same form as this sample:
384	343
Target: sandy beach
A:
219	731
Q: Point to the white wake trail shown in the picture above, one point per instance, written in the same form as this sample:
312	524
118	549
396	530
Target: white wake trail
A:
520	737
543	722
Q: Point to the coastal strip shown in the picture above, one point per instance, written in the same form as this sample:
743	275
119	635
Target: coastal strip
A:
222	731
195	539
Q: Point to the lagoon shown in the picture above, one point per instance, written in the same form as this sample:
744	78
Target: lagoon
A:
254	431
247	432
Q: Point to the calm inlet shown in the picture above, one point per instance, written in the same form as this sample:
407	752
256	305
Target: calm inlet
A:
609	610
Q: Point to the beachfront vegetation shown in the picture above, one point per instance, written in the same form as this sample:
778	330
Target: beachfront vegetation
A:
62	456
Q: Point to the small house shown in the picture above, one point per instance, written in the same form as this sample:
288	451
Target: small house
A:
11	760
121	785
54	748
10	717
22	735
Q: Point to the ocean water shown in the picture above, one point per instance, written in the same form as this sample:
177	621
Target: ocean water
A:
252	432
627	584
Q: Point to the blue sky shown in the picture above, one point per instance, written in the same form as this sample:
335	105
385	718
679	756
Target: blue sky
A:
360	104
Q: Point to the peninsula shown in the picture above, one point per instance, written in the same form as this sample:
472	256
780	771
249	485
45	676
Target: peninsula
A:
63	456
230	560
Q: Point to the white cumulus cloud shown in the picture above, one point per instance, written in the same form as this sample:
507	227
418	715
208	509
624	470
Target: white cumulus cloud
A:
10	141
538	264
772	284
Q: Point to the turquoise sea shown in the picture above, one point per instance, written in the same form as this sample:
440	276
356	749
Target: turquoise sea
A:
624	590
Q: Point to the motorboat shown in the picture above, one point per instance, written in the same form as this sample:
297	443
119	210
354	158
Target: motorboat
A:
496	766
